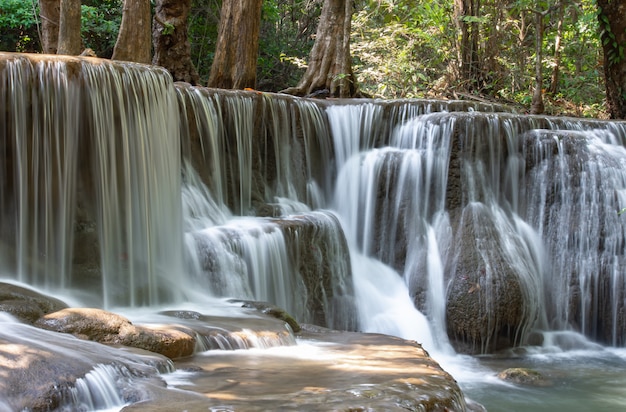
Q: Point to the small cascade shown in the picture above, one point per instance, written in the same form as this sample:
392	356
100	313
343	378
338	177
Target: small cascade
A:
97	390
247	259
243	339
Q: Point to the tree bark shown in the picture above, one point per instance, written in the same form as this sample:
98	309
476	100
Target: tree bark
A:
466	14
135	35
612	19
69	28
554	80
330	63
536	105
171	45
49	13
236	53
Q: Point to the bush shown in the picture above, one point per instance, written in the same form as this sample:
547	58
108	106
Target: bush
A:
18	26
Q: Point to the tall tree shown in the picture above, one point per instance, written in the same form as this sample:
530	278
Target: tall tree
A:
49	13
69	28
612	19
467	17
537	106
235	62
169	36
330	64
134	38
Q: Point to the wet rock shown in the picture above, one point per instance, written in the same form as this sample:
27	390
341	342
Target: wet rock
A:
112	329
524	376
272	310
40	369
236	331
26	304
320	256
488	304
346	372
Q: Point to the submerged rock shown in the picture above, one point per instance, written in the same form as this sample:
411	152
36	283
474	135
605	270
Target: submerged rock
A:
524	376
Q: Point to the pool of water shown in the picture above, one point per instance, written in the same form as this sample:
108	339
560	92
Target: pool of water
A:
573	381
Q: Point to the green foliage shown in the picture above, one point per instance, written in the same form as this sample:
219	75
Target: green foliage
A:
100	23
18	25
202	31
287	30
408	48
402	48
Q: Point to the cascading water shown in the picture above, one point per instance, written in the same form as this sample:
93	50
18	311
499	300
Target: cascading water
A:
83	182
442	222
578	182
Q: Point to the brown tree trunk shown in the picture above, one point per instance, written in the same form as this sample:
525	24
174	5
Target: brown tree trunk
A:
330	63
236	53
49	13
554	80
536	105
612	19
69	28
135	35
171	45
466	13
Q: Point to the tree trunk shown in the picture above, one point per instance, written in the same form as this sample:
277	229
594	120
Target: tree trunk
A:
49	13
236	53
330	63
69	28
171	45
537	106
612	19
466	13
135	35
554	80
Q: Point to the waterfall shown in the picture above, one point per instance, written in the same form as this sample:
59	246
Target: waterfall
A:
576	190
81	143
450	223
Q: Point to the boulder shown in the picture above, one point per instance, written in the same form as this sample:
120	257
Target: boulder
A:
112	329
488	302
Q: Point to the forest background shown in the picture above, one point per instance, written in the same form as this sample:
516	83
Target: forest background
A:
399	48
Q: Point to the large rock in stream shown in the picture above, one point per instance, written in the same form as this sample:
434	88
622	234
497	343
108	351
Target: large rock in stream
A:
109	328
